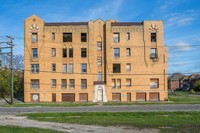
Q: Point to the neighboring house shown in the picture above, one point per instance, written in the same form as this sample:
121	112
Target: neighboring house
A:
95	61
175	82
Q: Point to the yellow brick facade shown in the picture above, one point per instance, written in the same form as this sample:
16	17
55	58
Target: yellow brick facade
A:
143	69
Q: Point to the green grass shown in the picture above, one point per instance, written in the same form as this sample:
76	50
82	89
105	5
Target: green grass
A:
184	98
15	129
165	121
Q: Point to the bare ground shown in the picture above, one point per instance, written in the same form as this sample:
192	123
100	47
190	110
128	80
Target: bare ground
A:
71	128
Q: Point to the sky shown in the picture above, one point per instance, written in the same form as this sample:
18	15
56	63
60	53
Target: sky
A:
181	22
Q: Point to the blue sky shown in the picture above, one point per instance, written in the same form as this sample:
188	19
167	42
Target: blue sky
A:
181	20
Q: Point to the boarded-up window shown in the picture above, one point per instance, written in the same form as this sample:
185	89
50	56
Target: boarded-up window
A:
68	97
140	96
116	96
83	97
154	96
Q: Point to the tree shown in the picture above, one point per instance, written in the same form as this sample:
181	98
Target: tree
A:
197	85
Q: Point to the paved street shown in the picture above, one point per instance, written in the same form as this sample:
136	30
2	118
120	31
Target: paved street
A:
133	108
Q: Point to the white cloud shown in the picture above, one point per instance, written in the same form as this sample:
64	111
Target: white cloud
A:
177	64
183	46
182	19
105	10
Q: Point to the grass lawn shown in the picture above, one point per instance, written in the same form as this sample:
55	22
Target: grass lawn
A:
184	97
15	129
188	122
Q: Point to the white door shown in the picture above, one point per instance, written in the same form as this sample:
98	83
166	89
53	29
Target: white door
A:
100	94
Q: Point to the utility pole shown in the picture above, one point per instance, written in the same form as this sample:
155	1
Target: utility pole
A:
11	67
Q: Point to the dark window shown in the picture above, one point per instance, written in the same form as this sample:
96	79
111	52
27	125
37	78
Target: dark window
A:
34	52
116	52
70	52
83	52
64	52
153	37
53	67
83	37
153	54
116	68
84	68
34	83
35	68
116	38
53	36
128	36
34	37
67	37
83	83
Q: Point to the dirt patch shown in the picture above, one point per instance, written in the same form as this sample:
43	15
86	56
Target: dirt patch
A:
71	128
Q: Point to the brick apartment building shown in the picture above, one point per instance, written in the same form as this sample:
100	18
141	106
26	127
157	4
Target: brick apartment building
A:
94	61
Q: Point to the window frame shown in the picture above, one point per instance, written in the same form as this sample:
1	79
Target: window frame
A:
34	40
53	67
116	53
83	38
115	65
63	83
53	52
71	68
33	83
128	67
34	52
155	84
116	37
84	86
71	85
128	52
128	35
153	37
153	53
64	52
83	68
71	53
83	52
53	83
53	36
35	68
67	37
64	68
